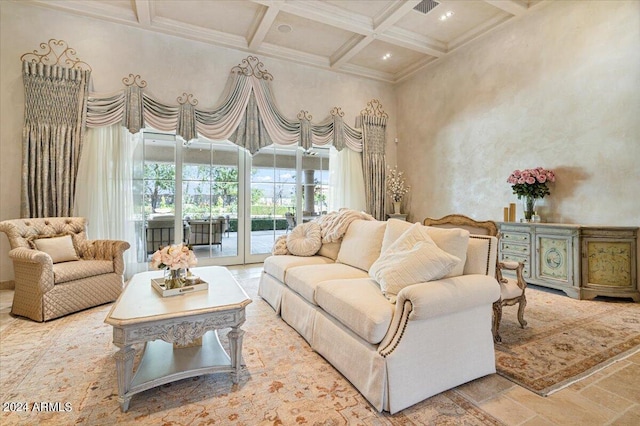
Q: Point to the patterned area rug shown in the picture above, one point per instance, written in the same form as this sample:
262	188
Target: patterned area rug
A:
565	339
65	373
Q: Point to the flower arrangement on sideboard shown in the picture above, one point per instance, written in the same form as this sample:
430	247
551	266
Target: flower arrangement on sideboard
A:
529	185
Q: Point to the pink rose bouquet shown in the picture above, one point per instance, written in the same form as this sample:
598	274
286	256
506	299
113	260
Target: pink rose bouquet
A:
174	257
531	182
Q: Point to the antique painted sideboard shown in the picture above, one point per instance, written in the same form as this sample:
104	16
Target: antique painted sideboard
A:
583	261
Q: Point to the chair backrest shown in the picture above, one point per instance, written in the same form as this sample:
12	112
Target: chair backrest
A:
291	220
22	232
486	227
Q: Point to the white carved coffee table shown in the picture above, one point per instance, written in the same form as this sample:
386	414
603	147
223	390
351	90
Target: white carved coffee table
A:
141	315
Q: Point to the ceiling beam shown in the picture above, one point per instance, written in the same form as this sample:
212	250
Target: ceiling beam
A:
143	12
392	14
413	41
268	17
326	13
513	7
350	49
385	20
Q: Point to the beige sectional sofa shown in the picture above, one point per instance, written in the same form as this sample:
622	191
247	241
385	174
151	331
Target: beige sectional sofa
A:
437	334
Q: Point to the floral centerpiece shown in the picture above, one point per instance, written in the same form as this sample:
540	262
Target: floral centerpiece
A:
529	185
396	187
175	260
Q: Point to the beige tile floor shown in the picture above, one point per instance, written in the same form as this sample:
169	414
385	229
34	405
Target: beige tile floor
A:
609	397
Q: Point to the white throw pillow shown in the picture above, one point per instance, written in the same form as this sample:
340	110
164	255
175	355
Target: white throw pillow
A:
305	239
454	241
60	249
361	243
412	259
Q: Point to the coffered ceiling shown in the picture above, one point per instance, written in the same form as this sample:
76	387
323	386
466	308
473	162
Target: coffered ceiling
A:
385	40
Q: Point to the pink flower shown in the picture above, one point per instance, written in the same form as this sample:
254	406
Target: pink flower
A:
173	257
531	182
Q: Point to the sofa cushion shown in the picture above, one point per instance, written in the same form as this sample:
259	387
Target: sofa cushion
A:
361	244
359	305
330	250
304	279
395	228
277	266
79	269
60	249
412	259
305	239
454	241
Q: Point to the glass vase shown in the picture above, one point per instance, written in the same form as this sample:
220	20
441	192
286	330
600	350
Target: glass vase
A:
528	207
175	278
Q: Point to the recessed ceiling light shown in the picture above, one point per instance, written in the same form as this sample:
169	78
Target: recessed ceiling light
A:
386	56
446	16
285	28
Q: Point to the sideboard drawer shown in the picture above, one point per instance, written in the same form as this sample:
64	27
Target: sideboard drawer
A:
517	237
510	247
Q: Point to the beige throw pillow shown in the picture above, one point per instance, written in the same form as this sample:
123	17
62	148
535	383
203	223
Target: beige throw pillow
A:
59	248
305	239
412	259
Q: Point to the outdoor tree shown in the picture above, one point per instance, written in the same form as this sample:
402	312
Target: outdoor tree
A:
160	183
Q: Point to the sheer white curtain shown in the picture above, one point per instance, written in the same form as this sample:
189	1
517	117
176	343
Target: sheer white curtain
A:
346	180
105	193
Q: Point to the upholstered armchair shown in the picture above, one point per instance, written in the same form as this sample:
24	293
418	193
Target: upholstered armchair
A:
57	270
512	291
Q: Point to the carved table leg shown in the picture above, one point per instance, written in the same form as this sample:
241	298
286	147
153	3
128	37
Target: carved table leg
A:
124	368
235	344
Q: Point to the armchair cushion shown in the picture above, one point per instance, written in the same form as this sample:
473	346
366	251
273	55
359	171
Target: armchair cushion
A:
79	269
60	249
509	289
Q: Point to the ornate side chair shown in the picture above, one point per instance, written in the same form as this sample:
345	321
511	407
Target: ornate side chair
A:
512	291
57	270
291	221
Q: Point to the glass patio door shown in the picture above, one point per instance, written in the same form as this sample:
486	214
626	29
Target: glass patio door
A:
211	201
206	211
287	186
229	206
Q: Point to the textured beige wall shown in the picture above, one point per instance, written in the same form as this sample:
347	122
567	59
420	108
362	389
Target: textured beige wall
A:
558	89
170	66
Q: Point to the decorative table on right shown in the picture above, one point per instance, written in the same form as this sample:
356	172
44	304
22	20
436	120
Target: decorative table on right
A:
582	261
